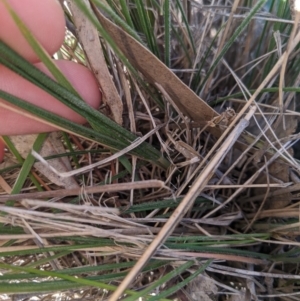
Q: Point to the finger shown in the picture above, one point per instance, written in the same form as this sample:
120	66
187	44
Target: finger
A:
12	123
44	18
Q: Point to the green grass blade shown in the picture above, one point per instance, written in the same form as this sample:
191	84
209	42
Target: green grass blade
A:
143	20
69	281
71	152
15	152
162	280
186	24
28	163
126	13
180	285
266	90
213	239
109	268
109	11
79	281
161	204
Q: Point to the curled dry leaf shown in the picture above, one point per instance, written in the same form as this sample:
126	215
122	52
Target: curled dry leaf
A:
186	150
224	119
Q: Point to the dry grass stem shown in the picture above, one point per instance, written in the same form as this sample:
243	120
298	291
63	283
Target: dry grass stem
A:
94	189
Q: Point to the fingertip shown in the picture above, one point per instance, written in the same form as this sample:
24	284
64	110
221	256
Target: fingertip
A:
45	19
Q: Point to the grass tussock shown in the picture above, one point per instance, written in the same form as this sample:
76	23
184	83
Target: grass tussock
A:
189	203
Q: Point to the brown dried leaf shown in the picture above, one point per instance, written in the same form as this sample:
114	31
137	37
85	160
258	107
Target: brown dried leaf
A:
89	39
224	119
156	72
186	150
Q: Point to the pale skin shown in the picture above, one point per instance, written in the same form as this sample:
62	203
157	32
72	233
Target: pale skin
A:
46	21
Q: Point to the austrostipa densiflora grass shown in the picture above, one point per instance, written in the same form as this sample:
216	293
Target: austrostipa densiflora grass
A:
208	208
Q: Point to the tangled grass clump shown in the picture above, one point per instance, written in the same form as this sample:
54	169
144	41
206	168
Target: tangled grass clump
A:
237	235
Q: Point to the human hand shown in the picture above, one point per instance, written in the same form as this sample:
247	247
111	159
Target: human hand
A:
46	21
